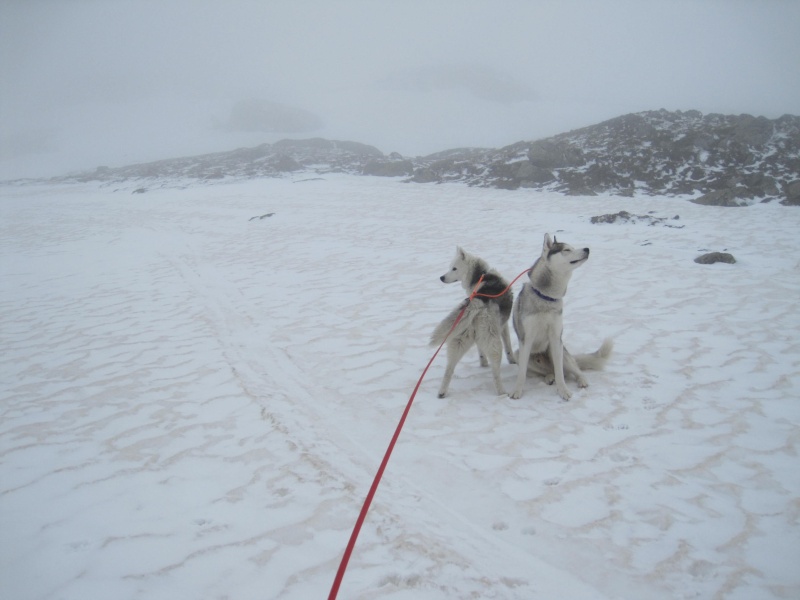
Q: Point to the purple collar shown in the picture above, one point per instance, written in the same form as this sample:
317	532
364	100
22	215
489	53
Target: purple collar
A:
542	296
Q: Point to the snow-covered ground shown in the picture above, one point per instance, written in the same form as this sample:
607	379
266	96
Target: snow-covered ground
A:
194	403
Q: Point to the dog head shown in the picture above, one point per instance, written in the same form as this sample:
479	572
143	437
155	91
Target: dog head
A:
458	268
562	256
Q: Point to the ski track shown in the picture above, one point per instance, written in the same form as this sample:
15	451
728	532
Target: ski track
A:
194	404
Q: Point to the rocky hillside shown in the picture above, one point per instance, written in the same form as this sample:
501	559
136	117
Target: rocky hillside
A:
716	159
719	159
314	155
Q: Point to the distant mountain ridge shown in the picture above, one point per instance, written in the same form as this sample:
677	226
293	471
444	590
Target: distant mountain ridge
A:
727	160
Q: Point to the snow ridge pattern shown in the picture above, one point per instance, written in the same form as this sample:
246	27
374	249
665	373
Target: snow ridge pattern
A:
194	403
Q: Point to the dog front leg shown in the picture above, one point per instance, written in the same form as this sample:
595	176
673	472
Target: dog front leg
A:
522	361
557	356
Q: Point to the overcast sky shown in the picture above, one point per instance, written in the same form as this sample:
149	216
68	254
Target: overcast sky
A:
111	82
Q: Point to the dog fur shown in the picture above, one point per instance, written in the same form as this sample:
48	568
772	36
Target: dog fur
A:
538	321
485	320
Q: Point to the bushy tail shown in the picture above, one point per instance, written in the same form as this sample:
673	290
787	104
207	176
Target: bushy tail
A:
597	359
442	329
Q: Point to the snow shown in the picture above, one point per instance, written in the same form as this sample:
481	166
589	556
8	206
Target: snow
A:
194	404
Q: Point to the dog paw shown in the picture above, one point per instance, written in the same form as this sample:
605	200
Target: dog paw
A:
582	383
564	393
512	360
442	394
515	395
550	379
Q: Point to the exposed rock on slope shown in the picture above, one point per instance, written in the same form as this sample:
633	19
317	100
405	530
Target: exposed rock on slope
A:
726	160
266	160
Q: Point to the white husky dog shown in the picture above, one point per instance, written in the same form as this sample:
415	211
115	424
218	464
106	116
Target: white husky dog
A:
485	319
538	321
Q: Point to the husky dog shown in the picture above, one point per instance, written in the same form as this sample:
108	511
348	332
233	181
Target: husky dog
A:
485	320
538	321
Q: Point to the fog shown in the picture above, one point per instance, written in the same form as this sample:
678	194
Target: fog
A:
112	82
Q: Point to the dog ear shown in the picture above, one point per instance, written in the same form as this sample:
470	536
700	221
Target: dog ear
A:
548	243
460	252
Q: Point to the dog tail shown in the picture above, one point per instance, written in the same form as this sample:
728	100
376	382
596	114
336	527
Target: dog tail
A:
597	359
443	329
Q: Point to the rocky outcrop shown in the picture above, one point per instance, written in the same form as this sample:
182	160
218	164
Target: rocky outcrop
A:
726	160
315	155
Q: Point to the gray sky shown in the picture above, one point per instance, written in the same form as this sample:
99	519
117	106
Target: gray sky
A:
111	82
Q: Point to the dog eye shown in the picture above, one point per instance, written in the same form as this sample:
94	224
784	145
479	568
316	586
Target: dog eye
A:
454	269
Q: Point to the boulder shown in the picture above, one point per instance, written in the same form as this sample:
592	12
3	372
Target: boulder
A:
389	168
425	175
715	257
548	154
725	197
792	191
531	175
753	131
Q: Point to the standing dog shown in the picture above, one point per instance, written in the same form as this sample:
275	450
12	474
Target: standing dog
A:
485	320
538	320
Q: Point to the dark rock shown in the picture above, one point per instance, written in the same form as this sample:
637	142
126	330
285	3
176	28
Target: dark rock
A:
549	154
792	194
261	217
715	257
761	185
725	197
389	168
622	215
753	131
425	175
531	175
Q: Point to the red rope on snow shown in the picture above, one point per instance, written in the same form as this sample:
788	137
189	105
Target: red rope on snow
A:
337	582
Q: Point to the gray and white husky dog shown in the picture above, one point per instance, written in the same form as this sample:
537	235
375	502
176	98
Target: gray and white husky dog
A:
485	320
538	321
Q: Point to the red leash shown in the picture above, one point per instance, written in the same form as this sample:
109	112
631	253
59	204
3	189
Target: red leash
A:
337	582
